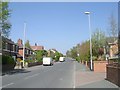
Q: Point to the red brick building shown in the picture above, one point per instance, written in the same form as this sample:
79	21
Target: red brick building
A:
28	51
36	48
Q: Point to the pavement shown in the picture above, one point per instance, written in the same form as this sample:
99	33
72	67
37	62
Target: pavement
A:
90	79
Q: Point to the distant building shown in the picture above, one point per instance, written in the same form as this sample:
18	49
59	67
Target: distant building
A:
37	48
113	51
51	51
28	51
9	47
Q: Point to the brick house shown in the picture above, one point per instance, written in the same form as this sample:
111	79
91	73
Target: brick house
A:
9	47
28	51
36	48
113	51
51	52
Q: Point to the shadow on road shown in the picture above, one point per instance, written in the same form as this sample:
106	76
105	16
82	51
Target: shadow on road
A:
15	71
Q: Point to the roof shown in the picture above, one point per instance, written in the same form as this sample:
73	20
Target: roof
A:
8	40
37	47
26	48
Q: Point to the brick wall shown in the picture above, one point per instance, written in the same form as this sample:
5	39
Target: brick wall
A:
100	66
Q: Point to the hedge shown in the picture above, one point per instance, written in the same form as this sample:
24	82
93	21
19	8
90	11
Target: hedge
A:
7	60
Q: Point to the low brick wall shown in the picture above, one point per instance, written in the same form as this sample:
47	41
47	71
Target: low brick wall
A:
113	73
34	64
100	66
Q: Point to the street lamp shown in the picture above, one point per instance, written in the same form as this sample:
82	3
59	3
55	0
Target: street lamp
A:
91	67
24	45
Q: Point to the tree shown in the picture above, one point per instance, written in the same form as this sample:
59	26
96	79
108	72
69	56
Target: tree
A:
113	31
74	52
85	51
98	42
57	56
4	19
27	44
40	54
68	53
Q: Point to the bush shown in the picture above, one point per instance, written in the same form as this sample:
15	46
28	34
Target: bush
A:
78	59
39	60
30	61
94	58
7	60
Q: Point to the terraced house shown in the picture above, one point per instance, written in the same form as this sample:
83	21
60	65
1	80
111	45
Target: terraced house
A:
9	47
28	51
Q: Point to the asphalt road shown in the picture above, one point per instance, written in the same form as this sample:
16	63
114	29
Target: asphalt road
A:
60	75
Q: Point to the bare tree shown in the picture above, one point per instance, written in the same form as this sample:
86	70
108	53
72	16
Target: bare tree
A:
113	31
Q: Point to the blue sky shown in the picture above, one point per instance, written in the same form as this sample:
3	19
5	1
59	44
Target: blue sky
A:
58	25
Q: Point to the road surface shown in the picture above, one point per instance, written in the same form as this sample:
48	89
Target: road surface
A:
68	74
60	75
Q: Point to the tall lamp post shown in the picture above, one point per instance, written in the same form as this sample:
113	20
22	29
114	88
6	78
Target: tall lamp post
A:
24	45
91	65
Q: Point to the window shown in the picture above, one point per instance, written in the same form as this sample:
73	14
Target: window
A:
13	48
3	45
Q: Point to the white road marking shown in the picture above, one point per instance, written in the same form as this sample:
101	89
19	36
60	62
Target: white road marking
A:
31	76
7	85
74	76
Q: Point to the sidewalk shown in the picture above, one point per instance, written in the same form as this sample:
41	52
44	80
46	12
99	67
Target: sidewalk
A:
90	79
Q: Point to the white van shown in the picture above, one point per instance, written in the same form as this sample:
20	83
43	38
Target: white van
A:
47	61
62	59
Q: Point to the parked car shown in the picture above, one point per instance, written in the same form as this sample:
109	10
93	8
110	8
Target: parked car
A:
47	61
62	59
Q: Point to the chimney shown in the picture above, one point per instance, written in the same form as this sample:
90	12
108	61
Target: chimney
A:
35	44
20	42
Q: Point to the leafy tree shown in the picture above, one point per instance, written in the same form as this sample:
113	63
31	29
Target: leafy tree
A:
52	54
44	52
85	51
57	56
74	52
68	53
27	44
4	19
98	43
40	54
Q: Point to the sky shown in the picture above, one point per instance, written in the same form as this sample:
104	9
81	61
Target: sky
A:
59	25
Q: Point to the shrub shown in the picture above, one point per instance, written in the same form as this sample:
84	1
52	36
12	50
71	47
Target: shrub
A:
78	59
94	58
7	60
30	61
39	60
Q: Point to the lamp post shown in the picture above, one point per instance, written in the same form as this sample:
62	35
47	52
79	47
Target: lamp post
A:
24	45
91	65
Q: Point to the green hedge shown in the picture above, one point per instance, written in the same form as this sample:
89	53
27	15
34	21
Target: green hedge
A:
39	60
7	60
30	61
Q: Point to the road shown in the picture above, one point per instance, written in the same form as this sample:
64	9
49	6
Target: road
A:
68	74
60	75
